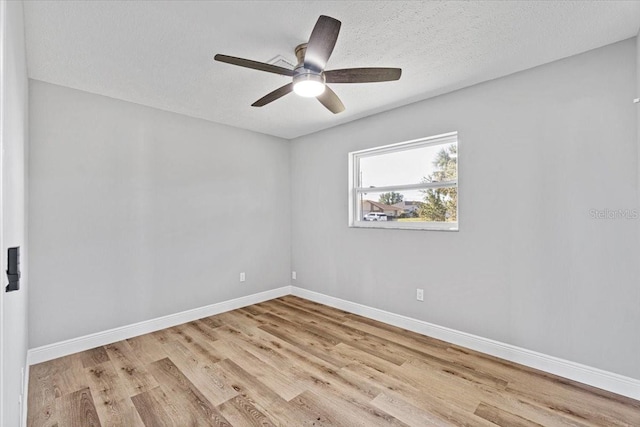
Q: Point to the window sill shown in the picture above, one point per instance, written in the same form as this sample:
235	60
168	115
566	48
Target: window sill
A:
395	225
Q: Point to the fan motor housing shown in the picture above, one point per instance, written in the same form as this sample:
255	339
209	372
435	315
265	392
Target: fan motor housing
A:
302	74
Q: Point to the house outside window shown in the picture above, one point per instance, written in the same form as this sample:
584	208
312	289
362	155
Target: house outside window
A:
409	185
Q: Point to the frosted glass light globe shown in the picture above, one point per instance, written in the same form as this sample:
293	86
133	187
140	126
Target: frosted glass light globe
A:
308	85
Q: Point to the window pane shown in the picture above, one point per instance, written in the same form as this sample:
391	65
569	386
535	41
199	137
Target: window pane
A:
429	205
426	164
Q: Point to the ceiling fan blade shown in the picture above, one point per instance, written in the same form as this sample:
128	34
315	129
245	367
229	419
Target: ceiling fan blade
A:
272	96
323	39
362	75
329	99
247	63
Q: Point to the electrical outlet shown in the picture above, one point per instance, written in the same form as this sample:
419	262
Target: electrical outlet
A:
293	275
420	294
243	277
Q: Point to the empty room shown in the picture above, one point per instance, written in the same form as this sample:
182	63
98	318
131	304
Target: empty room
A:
447	235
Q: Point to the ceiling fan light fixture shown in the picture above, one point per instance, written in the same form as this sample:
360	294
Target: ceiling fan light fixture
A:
308	85
309	75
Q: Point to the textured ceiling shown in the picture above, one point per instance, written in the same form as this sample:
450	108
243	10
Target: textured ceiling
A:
160	54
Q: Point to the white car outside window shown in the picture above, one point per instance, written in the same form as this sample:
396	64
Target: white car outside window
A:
375	216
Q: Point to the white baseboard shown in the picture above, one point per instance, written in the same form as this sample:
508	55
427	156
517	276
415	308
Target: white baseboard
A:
605	380
75	345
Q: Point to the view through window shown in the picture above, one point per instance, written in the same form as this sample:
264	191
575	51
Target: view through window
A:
410	185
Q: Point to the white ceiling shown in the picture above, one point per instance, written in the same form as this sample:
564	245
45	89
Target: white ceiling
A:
160	54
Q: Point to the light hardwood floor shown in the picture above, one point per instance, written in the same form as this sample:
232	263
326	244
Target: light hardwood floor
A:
293	362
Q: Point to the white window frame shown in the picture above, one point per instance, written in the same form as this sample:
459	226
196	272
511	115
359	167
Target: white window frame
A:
355	191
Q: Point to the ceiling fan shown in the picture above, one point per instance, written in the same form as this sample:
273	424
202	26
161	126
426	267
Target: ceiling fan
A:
309	77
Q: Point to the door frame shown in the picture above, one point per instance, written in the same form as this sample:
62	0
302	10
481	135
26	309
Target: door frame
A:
3	5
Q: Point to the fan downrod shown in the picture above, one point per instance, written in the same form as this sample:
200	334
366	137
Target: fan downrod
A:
300	50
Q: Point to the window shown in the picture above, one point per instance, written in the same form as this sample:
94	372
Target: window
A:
412	185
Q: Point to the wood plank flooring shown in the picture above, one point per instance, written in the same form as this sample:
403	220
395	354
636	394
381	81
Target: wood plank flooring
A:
293	362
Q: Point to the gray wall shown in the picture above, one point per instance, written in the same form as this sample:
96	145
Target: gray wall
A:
529	266
13	305
138	213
